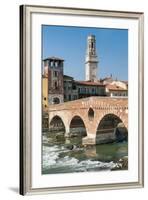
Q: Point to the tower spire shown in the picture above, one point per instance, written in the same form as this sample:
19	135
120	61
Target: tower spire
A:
91	61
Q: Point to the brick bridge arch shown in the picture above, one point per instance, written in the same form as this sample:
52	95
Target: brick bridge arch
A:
100	105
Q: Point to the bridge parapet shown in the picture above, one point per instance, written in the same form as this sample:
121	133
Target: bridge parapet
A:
95	102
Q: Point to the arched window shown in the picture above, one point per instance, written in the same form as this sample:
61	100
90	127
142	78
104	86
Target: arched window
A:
55	84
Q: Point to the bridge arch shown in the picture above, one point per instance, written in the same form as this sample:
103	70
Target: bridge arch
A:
111	123
56	123
109	119
77	125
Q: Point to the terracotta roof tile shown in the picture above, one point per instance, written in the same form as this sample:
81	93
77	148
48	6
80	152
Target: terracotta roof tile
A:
115	87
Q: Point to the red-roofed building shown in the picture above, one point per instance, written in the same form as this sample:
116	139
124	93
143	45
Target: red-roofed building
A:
89	88
70	88
81	89
115	90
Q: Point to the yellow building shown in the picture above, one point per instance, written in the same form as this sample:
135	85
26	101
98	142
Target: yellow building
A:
44	92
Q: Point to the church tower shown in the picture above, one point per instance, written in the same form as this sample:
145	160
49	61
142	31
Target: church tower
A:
91	61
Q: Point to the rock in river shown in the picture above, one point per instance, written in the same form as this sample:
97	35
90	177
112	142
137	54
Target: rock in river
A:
121	164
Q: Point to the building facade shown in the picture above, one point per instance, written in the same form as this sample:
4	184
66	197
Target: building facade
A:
113	90
44	92
115	87
70	89
89	88
53	69
81	89
122	84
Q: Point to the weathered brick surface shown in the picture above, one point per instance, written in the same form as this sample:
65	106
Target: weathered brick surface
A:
101	106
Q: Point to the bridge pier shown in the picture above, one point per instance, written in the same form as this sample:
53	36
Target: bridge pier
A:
67	131
90	139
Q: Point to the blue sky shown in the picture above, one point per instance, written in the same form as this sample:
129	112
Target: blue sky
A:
70	44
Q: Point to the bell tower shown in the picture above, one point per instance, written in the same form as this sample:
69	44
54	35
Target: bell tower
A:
91	61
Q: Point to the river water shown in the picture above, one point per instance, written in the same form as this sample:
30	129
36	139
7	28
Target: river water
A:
60	155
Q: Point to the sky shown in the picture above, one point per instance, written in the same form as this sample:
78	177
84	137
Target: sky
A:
70	44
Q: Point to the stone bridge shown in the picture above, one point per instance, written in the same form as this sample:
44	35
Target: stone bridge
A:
92	111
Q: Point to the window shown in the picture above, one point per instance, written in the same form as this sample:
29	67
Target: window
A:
74	87
44	98
55	73
102	91
51	63
56	84
69	97
56	64
56	100
87	90
93	90
82	90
